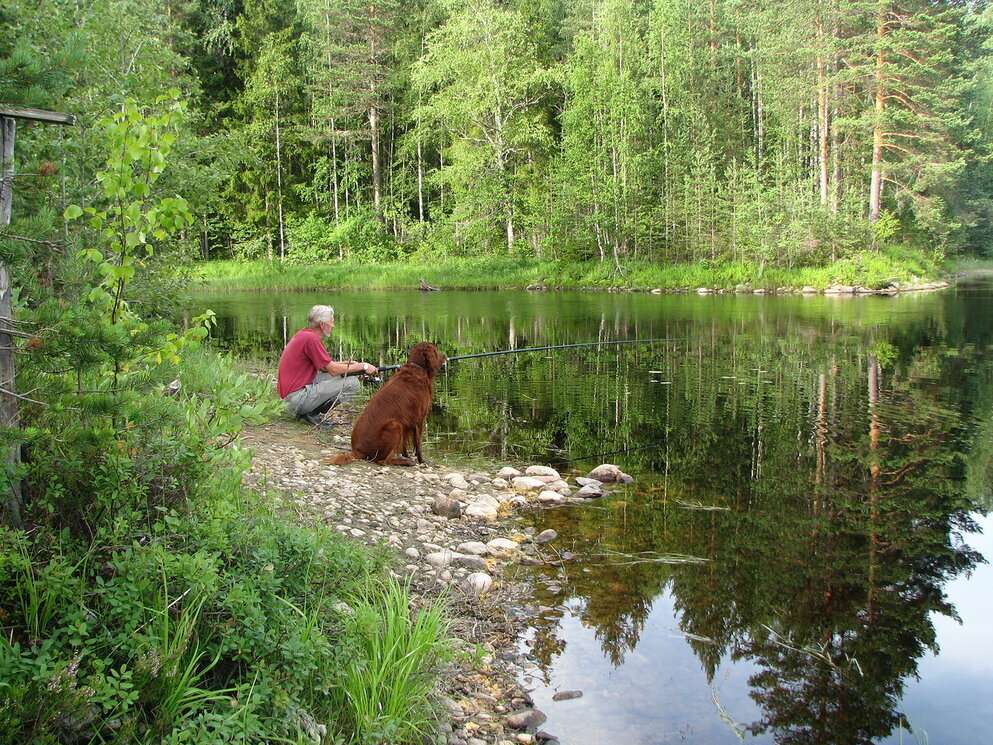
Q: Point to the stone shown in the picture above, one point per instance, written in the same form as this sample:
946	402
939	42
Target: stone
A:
526	718
503	544
477	548
447	507
605	472
583	481
590	492
478	584
485	507
541	471
567	695
500	483
508	473
439	559
550	497
528	483
412	553
545	536
469	561
457	480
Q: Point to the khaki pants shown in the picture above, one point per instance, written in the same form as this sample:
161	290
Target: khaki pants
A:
335	388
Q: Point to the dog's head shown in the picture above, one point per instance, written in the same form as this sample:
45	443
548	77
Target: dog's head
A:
427	356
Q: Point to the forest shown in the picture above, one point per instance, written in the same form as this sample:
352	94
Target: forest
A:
792	134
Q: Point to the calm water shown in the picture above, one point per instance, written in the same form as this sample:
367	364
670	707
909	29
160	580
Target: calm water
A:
803	534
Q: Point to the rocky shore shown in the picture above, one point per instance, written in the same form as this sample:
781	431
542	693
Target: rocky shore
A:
453	533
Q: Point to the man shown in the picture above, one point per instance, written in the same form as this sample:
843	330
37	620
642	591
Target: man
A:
309	381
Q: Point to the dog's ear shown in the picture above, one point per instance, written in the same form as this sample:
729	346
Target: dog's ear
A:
419	355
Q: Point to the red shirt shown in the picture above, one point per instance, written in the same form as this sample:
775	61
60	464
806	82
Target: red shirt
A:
300	362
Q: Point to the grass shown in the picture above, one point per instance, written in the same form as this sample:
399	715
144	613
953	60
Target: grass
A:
872	269
386	688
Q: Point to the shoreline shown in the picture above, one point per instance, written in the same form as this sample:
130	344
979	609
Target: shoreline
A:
864	273
453	534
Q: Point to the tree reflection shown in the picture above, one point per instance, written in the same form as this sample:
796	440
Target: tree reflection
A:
830	558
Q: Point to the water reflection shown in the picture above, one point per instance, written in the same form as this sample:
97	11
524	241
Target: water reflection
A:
808	471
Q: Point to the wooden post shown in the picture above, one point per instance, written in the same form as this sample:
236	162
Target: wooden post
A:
8	403
10	508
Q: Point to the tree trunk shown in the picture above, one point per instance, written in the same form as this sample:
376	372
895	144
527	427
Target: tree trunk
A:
876	180
279	187
822	119
420	184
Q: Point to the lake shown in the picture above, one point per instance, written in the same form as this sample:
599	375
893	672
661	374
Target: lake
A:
800	558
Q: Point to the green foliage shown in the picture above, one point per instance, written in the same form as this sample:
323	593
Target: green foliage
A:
386	687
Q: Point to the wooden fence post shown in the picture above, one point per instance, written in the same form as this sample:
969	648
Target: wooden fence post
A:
8	402
10	507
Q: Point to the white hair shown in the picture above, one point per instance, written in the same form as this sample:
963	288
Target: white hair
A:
319	314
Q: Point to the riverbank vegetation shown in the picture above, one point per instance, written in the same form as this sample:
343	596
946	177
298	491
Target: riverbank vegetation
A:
146	596
870	269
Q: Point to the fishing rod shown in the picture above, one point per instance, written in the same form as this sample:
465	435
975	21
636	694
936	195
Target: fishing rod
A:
543	349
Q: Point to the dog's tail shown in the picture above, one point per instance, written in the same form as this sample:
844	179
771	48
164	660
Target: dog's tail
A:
342	459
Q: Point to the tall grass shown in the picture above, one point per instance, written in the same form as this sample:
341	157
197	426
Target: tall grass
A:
386	687
872	269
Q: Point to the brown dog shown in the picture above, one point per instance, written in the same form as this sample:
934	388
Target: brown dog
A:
396	412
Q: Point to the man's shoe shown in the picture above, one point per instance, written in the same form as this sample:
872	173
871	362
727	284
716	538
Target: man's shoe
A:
314	420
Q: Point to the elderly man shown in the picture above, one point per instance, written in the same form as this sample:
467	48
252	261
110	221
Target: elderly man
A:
309	381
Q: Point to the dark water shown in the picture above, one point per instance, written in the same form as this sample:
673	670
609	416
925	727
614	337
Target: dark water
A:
801	539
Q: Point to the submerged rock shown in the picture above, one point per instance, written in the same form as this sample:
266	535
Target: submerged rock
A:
545	536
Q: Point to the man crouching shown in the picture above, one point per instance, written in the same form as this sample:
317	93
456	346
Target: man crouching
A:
308	380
